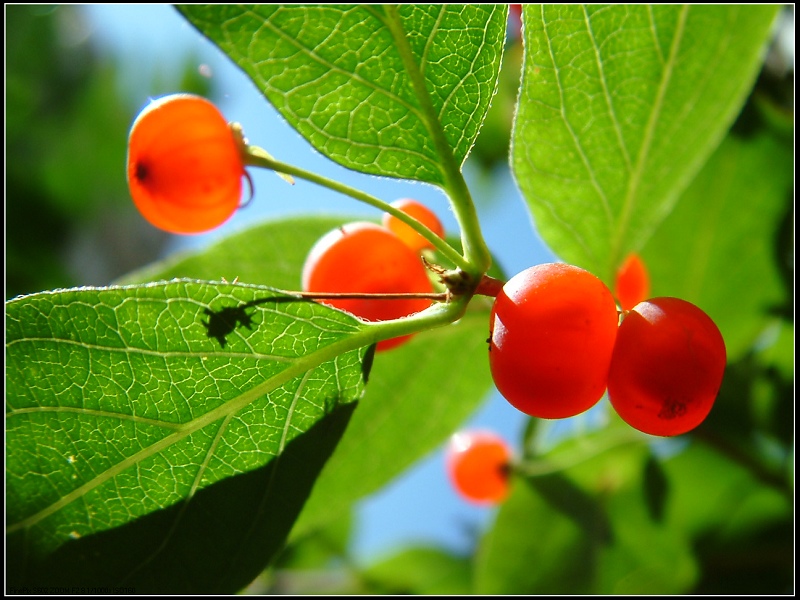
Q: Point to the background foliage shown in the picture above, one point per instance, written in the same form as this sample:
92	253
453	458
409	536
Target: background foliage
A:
640	127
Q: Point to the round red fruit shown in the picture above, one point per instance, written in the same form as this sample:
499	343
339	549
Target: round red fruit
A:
478	464
667	367
185	167
552	332
364	257
402	230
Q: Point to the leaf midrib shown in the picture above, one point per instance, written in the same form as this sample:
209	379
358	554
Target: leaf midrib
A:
647	142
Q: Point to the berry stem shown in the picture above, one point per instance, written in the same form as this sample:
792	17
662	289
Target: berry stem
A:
539	467
475	249
436	315
489	286
437	296
257	157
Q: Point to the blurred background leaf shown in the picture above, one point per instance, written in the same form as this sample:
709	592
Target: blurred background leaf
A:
719	242
69	219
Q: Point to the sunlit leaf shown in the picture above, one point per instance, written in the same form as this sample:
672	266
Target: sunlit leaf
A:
396	90
718	247
620	106
124	404
429	386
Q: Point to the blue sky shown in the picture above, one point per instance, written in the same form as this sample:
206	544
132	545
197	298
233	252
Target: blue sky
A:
149	41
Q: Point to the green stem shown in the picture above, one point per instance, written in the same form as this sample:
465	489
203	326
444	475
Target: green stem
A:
437	296
437	315
545	466
257	157
475	249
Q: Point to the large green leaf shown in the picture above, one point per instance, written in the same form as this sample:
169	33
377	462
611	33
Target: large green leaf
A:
388	90
125	404
429	385
620	106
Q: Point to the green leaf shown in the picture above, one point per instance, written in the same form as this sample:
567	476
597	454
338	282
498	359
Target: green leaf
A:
732	502
619	108
743	529
719	242
398	91
419	570
271	253
125	404
531	549
429	385
580	523
320	549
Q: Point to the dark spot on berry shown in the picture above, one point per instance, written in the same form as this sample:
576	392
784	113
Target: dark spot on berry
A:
672	409
141	172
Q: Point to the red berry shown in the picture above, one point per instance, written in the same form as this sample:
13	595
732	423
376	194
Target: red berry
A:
667	367
422	214
632	284
367	258
185	167
478	464
552	332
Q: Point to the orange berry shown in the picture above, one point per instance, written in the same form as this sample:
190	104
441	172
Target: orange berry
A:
478	466
185	167
422	214
551	335
632	283
364	257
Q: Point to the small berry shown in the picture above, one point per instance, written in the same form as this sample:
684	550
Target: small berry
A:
367	258
185	167
552	332
667	367
422	214
632	284
478	464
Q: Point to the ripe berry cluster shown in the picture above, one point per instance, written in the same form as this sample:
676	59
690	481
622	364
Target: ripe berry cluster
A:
556	342
556	346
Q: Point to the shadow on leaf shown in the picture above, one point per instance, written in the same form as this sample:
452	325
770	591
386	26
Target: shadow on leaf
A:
217	543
